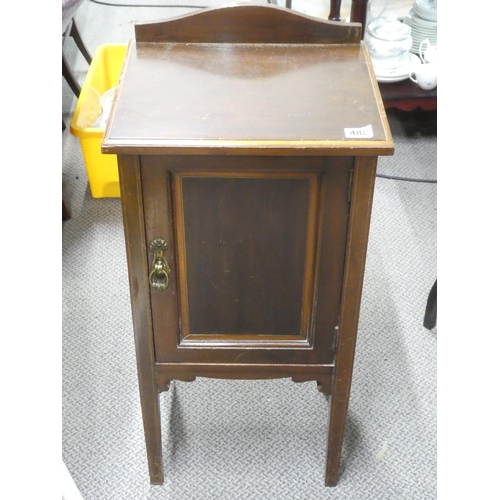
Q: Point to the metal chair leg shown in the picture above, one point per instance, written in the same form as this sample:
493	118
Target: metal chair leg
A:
69	77
72	31
79	42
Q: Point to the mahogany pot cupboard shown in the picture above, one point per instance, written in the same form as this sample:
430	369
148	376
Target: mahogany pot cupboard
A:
247	139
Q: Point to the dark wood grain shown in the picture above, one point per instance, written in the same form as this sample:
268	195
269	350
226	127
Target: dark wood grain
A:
334	14
358	14
317	257
133	220
159	223
359	225
246	253
274	96
187	372
231	134
407	96
247	24
66	214
280	98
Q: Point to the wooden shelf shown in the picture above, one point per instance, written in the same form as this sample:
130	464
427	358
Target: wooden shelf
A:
407	96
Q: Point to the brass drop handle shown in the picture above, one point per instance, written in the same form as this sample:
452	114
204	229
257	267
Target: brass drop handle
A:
159	275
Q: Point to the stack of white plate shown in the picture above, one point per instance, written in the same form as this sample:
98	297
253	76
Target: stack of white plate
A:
423	21
399	73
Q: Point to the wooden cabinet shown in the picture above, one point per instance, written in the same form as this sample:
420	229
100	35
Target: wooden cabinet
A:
247	141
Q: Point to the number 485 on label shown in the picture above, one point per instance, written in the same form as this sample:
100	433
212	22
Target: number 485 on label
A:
359	133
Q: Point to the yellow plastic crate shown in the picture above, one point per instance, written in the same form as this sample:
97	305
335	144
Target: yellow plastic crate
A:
103	74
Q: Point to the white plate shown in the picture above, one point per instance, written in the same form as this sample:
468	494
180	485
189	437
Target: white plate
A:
421	38
412	16
431	11
391	80
430	5
423	34
418	40
414	20
424	16
397	74
431	15
422	29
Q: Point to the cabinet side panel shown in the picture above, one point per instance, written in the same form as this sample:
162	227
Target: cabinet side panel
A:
334	215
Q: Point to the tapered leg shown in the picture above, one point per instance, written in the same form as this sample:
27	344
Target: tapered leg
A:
152	432
66	215
354	268
336	427
137	258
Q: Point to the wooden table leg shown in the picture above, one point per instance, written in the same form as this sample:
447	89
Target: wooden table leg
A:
152	431
66	214
358	13
359	225
137	258
334	10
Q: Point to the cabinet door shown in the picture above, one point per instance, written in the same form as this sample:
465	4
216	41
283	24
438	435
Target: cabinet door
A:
256	253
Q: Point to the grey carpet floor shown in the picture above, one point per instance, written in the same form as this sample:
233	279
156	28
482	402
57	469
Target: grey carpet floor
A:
250	439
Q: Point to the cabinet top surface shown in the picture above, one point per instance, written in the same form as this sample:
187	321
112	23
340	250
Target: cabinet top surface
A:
265	96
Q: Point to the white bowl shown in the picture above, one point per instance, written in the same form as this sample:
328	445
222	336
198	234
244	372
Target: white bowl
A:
428	5
417	21
388	41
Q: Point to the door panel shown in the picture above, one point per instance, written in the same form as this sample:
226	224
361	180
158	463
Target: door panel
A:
255	248
242	248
